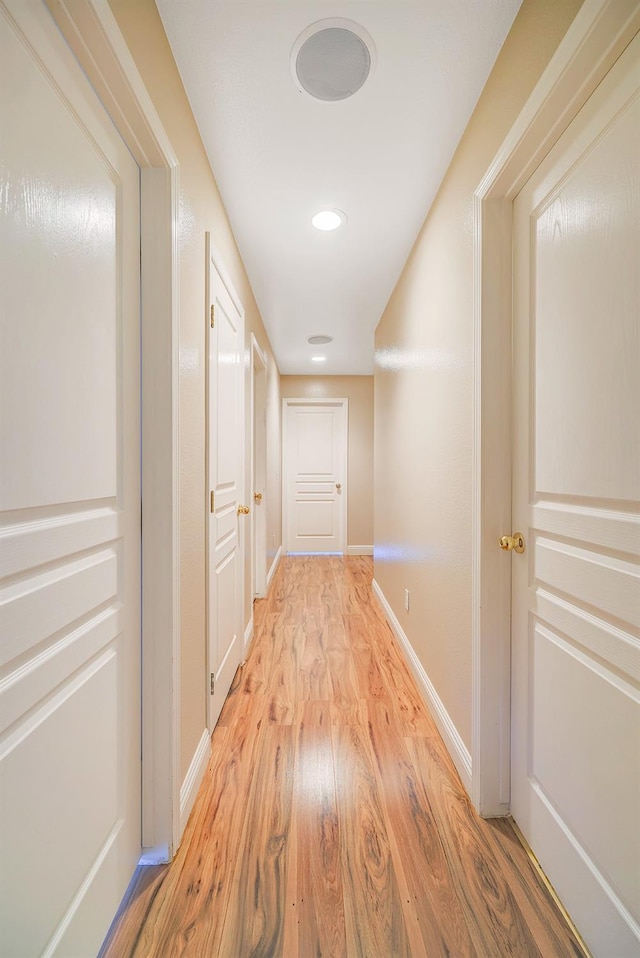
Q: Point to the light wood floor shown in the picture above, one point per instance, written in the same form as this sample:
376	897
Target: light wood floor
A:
331	822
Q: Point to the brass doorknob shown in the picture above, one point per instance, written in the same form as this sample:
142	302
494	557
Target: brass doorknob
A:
243	510
338	486
257	496
513	543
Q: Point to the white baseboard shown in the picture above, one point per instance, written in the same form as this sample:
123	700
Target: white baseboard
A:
193	778
457	749
158	855
248	635
359	550
274	566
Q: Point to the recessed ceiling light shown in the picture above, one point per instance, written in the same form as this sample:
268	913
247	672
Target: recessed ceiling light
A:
329	219
319	340
318	359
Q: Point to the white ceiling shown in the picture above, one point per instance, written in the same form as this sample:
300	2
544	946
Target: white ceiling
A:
279	155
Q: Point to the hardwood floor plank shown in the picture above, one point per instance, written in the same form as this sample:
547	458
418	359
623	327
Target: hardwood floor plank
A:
290	934
320	904
548	925
133	912
494	915
189	910
410	705
491	912
254	922
345	690
314	682
432	888
336	635
373	912
233	699
315	713
370	679
331	822
357	633
282	687
257	668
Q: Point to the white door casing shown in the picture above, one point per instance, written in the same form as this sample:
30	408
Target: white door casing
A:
258	470
314	480
225	478
69	501
575	754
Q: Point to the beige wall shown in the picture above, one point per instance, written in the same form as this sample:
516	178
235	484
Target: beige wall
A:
201	209
423	385
359	391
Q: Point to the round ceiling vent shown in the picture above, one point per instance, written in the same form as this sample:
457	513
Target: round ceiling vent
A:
332	59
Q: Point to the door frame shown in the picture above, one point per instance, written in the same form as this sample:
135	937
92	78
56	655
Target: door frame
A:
343	403
594	41
258	442
94	37
214	259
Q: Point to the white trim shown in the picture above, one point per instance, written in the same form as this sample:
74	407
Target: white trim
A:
274	566
359	550
248	635
599	33
154	856
342	403
92	33
452	738
194	776
259	350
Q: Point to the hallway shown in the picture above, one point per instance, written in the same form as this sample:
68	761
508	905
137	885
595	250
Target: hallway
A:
331	821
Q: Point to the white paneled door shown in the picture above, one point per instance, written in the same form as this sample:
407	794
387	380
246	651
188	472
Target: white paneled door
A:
69	500
225	470
576	588
259	479
314	470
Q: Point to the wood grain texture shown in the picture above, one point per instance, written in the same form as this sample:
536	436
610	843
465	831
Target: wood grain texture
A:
430	880
131	917
371	886
331	822
254	926
320	898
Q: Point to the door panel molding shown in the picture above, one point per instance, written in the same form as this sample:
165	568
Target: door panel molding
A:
600	32
93	35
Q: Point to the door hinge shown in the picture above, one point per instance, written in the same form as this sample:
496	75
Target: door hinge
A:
213	683
213	501
213	316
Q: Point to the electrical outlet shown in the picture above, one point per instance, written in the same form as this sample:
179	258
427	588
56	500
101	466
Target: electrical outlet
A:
406	599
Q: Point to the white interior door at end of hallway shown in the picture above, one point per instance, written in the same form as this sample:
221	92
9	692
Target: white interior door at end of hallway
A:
70	665
225	472
315	475
576	589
